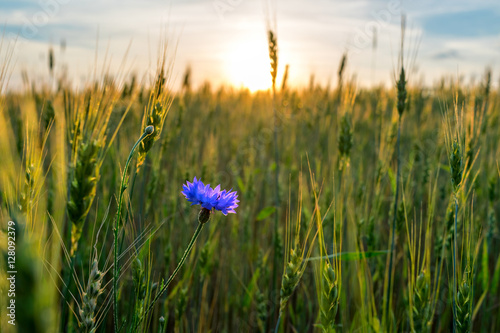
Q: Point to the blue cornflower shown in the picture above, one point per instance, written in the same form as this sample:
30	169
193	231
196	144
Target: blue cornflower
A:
226	202
210	198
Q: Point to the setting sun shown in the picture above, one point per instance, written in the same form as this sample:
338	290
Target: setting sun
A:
248	65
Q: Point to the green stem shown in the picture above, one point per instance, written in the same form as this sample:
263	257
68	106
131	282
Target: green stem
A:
276	190
179	265
122	238
455	267
393	232
277	324
67	274
123	186
67	284
132	186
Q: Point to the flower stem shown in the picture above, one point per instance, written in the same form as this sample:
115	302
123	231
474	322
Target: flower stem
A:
123	186
179	265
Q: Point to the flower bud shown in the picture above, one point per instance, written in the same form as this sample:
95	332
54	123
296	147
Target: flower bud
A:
204	215
149	130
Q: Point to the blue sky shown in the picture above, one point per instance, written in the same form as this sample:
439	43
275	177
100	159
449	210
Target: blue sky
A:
472	23
224	41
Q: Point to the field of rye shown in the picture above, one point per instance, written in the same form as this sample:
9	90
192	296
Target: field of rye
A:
340	209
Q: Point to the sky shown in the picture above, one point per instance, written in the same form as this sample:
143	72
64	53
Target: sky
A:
224	41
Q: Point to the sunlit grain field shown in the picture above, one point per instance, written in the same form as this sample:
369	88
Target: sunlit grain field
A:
357	210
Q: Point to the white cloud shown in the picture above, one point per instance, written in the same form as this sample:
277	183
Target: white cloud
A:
312	36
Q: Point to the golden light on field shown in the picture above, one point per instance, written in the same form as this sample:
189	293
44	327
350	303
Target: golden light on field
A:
248	64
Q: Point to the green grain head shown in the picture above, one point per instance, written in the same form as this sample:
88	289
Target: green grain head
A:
329	298
464	304
273	54
291	277
421	308
456	165
27	192
139	279
262	311
154	116
402	93
345	140
83	187
89	299
181	305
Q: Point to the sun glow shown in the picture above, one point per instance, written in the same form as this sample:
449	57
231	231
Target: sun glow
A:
249	65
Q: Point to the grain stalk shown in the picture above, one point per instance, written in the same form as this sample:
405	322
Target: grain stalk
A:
419	293
401	105
345	99
456	167
273	57
296	255
118	225
140	289
154	115
87	121
455	146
